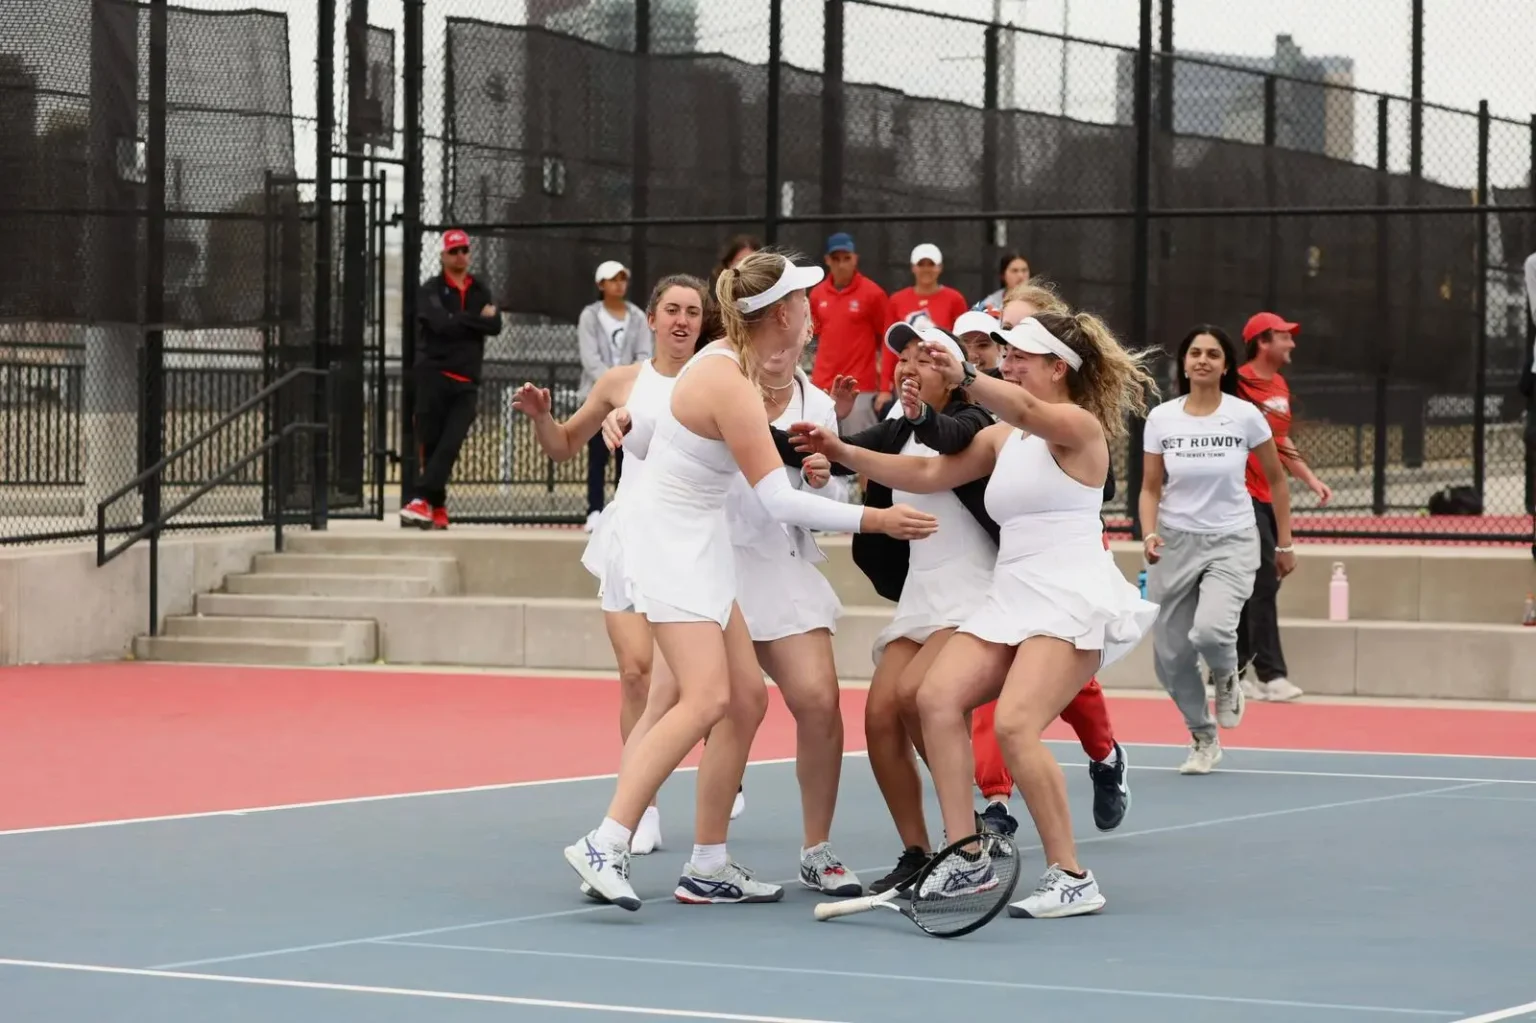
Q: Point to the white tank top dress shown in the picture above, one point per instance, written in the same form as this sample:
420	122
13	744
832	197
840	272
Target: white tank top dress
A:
1053	576
650	393
780	590
948	573
670	552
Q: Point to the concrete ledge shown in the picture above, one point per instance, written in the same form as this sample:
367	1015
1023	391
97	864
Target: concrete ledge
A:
1387	583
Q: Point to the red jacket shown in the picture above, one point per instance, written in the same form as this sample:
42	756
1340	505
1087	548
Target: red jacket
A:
850	326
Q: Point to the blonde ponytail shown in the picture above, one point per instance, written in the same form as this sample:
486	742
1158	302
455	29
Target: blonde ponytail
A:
1113	382
753	275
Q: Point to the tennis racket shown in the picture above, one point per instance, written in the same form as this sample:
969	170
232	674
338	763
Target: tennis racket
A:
972	880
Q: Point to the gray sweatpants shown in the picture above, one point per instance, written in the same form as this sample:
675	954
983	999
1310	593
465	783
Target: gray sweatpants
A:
1200	584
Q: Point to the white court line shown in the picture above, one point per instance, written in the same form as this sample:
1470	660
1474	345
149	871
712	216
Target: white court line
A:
501	786
1190	826
1488	799
349	800
922	979
451	996
1498	1014
1309	752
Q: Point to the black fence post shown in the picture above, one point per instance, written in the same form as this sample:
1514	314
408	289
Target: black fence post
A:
1140	250
344	442
833	108
154	293
640	148
990	82
1271	188
325	144
1480	310
1383	314
410	240
771	133
1529	352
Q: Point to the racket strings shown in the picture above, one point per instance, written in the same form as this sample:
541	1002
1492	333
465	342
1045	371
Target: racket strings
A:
966	885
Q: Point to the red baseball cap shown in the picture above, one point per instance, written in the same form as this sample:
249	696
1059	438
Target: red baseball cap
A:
454	239
1258	323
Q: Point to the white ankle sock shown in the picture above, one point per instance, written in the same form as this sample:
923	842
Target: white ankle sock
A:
612	832
1113	758
709	858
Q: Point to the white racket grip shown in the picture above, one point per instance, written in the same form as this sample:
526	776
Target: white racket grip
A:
848	907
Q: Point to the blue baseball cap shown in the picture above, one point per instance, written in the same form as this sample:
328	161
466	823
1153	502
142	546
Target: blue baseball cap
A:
840	242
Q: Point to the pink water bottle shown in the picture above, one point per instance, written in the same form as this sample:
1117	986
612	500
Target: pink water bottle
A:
1338	594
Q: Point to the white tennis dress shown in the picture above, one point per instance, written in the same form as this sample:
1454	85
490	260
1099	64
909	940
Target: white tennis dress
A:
948	573
1053	576
780	590
648	395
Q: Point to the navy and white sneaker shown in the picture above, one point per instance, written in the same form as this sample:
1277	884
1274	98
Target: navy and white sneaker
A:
965	874
822	871
1111	792
997	819
605	868
1060	894
731	883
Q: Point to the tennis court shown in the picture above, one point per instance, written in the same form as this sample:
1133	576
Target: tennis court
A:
182	844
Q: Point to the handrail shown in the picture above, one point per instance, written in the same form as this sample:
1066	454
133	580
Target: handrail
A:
273	443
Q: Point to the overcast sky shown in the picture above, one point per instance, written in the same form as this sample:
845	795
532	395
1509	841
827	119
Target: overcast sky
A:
1475	49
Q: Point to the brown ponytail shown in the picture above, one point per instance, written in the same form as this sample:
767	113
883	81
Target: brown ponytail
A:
1113	382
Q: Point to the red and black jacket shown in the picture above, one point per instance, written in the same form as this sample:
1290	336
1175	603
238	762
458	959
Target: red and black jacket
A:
452	331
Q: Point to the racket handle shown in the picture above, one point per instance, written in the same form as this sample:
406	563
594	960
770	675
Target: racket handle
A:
848	907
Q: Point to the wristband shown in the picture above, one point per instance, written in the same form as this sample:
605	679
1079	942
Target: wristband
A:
1285	550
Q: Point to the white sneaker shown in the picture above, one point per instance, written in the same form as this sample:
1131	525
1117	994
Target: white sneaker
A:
739	804
1060	894
605	869
1204	754
960	875
647	836
822	871
1278	690
1230	701
731	883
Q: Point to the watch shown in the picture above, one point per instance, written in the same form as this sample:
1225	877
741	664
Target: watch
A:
969	373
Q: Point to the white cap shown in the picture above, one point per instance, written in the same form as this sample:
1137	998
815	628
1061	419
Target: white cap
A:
609	269
791	278
927	250
975	321
900	334
1029	335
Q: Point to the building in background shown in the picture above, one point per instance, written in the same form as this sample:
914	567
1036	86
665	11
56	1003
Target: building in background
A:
611	23
1228	102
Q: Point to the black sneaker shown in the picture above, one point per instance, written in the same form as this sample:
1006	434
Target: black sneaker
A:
996	818
912	860
1111	793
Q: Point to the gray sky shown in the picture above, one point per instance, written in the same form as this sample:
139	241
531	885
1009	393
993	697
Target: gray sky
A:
1475	49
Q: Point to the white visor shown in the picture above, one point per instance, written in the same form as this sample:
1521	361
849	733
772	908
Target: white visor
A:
975	322
900	334
1030	336
793	278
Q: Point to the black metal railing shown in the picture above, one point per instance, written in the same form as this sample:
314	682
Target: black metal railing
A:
148	483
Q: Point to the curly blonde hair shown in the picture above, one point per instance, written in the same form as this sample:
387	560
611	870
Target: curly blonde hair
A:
1113	381
1039	293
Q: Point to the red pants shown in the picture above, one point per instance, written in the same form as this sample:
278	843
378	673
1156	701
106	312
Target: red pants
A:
1087	714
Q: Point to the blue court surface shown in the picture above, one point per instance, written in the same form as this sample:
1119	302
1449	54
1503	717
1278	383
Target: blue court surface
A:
1289	886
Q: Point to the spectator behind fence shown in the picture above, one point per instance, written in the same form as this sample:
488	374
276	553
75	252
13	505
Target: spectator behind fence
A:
848	313
455	314
1528	364
927	301
611	332
1270	340
1012	271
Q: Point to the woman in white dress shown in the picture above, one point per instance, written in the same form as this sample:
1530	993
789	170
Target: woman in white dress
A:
1202	540
676	315
679	570
1058	609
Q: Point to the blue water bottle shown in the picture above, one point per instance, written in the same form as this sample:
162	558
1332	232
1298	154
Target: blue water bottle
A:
1141	581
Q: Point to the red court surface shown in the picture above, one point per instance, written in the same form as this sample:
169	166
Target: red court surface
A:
101	742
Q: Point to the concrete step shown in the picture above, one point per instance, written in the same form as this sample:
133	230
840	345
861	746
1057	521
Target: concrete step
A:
467	631
441	572
380	586
224	650
359	637
1387	583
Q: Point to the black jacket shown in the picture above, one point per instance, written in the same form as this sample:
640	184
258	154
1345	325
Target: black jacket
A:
453	333
884	559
